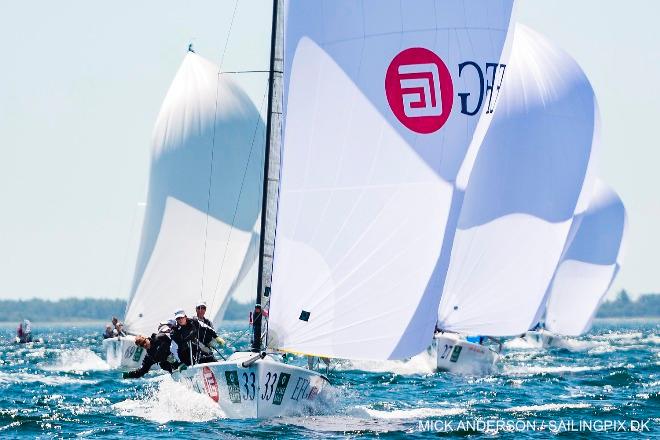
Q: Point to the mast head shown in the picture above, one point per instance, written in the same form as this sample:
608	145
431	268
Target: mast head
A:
190	48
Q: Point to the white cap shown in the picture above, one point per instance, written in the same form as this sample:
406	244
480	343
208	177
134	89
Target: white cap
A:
179	314
200	303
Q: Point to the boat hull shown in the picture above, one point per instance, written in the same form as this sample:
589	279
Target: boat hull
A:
266	388
122	353
455	354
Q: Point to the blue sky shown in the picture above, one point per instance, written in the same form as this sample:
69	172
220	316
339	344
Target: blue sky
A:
81	84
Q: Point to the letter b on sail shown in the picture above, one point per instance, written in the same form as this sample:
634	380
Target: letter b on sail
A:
419	90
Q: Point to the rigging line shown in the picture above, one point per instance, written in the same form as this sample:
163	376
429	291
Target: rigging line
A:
240	192
231	25
208	199
215	117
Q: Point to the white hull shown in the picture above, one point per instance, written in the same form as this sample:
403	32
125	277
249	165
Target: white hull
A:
267	388
123	353
454	354
542	339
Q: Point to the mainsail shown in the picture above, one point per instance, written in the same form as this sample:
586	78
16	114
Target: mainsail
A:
381	103
203	201
527	183
589	265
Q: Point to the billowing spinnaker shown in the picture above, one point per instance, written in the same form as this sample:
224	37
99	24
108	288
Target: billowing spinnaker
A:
589	265
522	194
204	197
381	101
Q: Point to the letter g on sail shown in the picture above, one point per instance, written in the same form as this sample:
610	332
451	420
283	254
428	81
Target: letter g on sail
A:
419	90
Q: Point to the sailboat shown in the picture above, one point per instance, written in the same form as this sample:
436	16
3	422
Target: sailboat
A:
529	179
586	271
203	205
373	108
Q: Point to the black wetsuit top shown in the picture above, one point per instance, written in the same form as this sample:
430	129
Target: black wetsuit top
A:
206	321
157	353
188	336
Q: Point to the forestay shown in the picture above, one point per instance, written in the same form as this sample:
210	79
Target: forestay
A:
204	198
527	183
381	102
589	265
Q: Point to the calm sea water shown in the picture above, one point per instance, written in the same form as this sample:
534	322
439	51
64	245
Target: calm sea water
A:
607	380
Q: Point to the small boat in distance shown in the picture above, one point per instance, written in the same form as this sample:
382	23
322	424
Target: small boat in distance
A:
587	269
198	238
528	181
24	333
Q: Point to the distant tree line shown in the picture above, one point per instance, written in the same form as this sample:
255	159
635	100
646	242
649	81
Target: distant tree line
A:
40	310
646	306
74	309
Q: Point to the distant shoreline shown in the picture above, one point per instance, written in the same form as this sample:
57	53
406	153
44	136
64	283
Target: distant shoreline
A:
91	311
59	323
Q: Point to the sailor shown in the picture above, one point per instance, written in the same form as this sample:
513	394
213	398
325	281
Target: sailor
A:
24	331
167	327
200	309
119	330
118	327
194	340
158	352
108	332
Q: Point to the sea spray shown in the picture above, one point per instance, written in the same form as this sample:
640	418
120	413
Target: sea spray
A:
76	361
165	400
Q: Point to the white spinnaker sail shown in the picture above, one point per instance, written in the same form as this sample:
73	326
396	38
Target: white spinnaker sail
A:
204	197
589	265
525	187
381	102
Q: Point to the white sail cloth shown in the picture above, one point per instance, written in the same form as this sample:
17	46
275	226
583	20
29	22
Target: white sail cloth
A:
381	102
589	264
527	183
204	198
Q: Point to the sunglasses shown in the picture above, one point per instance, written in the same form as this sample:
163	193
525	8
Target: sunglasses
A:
201	307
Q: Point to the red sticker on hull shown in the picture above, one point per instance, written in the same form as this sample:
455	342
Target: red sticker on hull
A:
210	384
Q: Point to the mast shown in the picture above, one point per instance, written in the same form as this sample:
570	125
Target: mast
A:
271	177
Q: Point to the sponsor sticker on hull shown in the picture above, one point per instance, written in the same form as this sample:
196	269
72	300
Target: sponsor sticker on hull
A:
281	388
210	384
456	353
233	386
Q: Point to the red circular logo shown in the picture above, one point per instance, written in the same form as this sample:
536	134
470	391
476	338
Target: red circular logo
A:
419	90
210	384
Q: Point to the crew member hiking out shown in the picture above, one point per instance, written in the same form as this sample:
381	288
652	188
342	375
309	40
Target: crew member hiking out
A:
107	334
200	309
194	340
158	352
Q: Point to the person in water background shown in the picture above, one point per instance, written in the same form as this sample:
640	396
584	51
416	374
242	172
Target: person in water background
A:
194	340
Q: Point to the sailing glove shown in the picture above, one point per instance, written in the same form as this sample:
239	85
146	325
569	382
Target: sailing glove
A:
217	342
